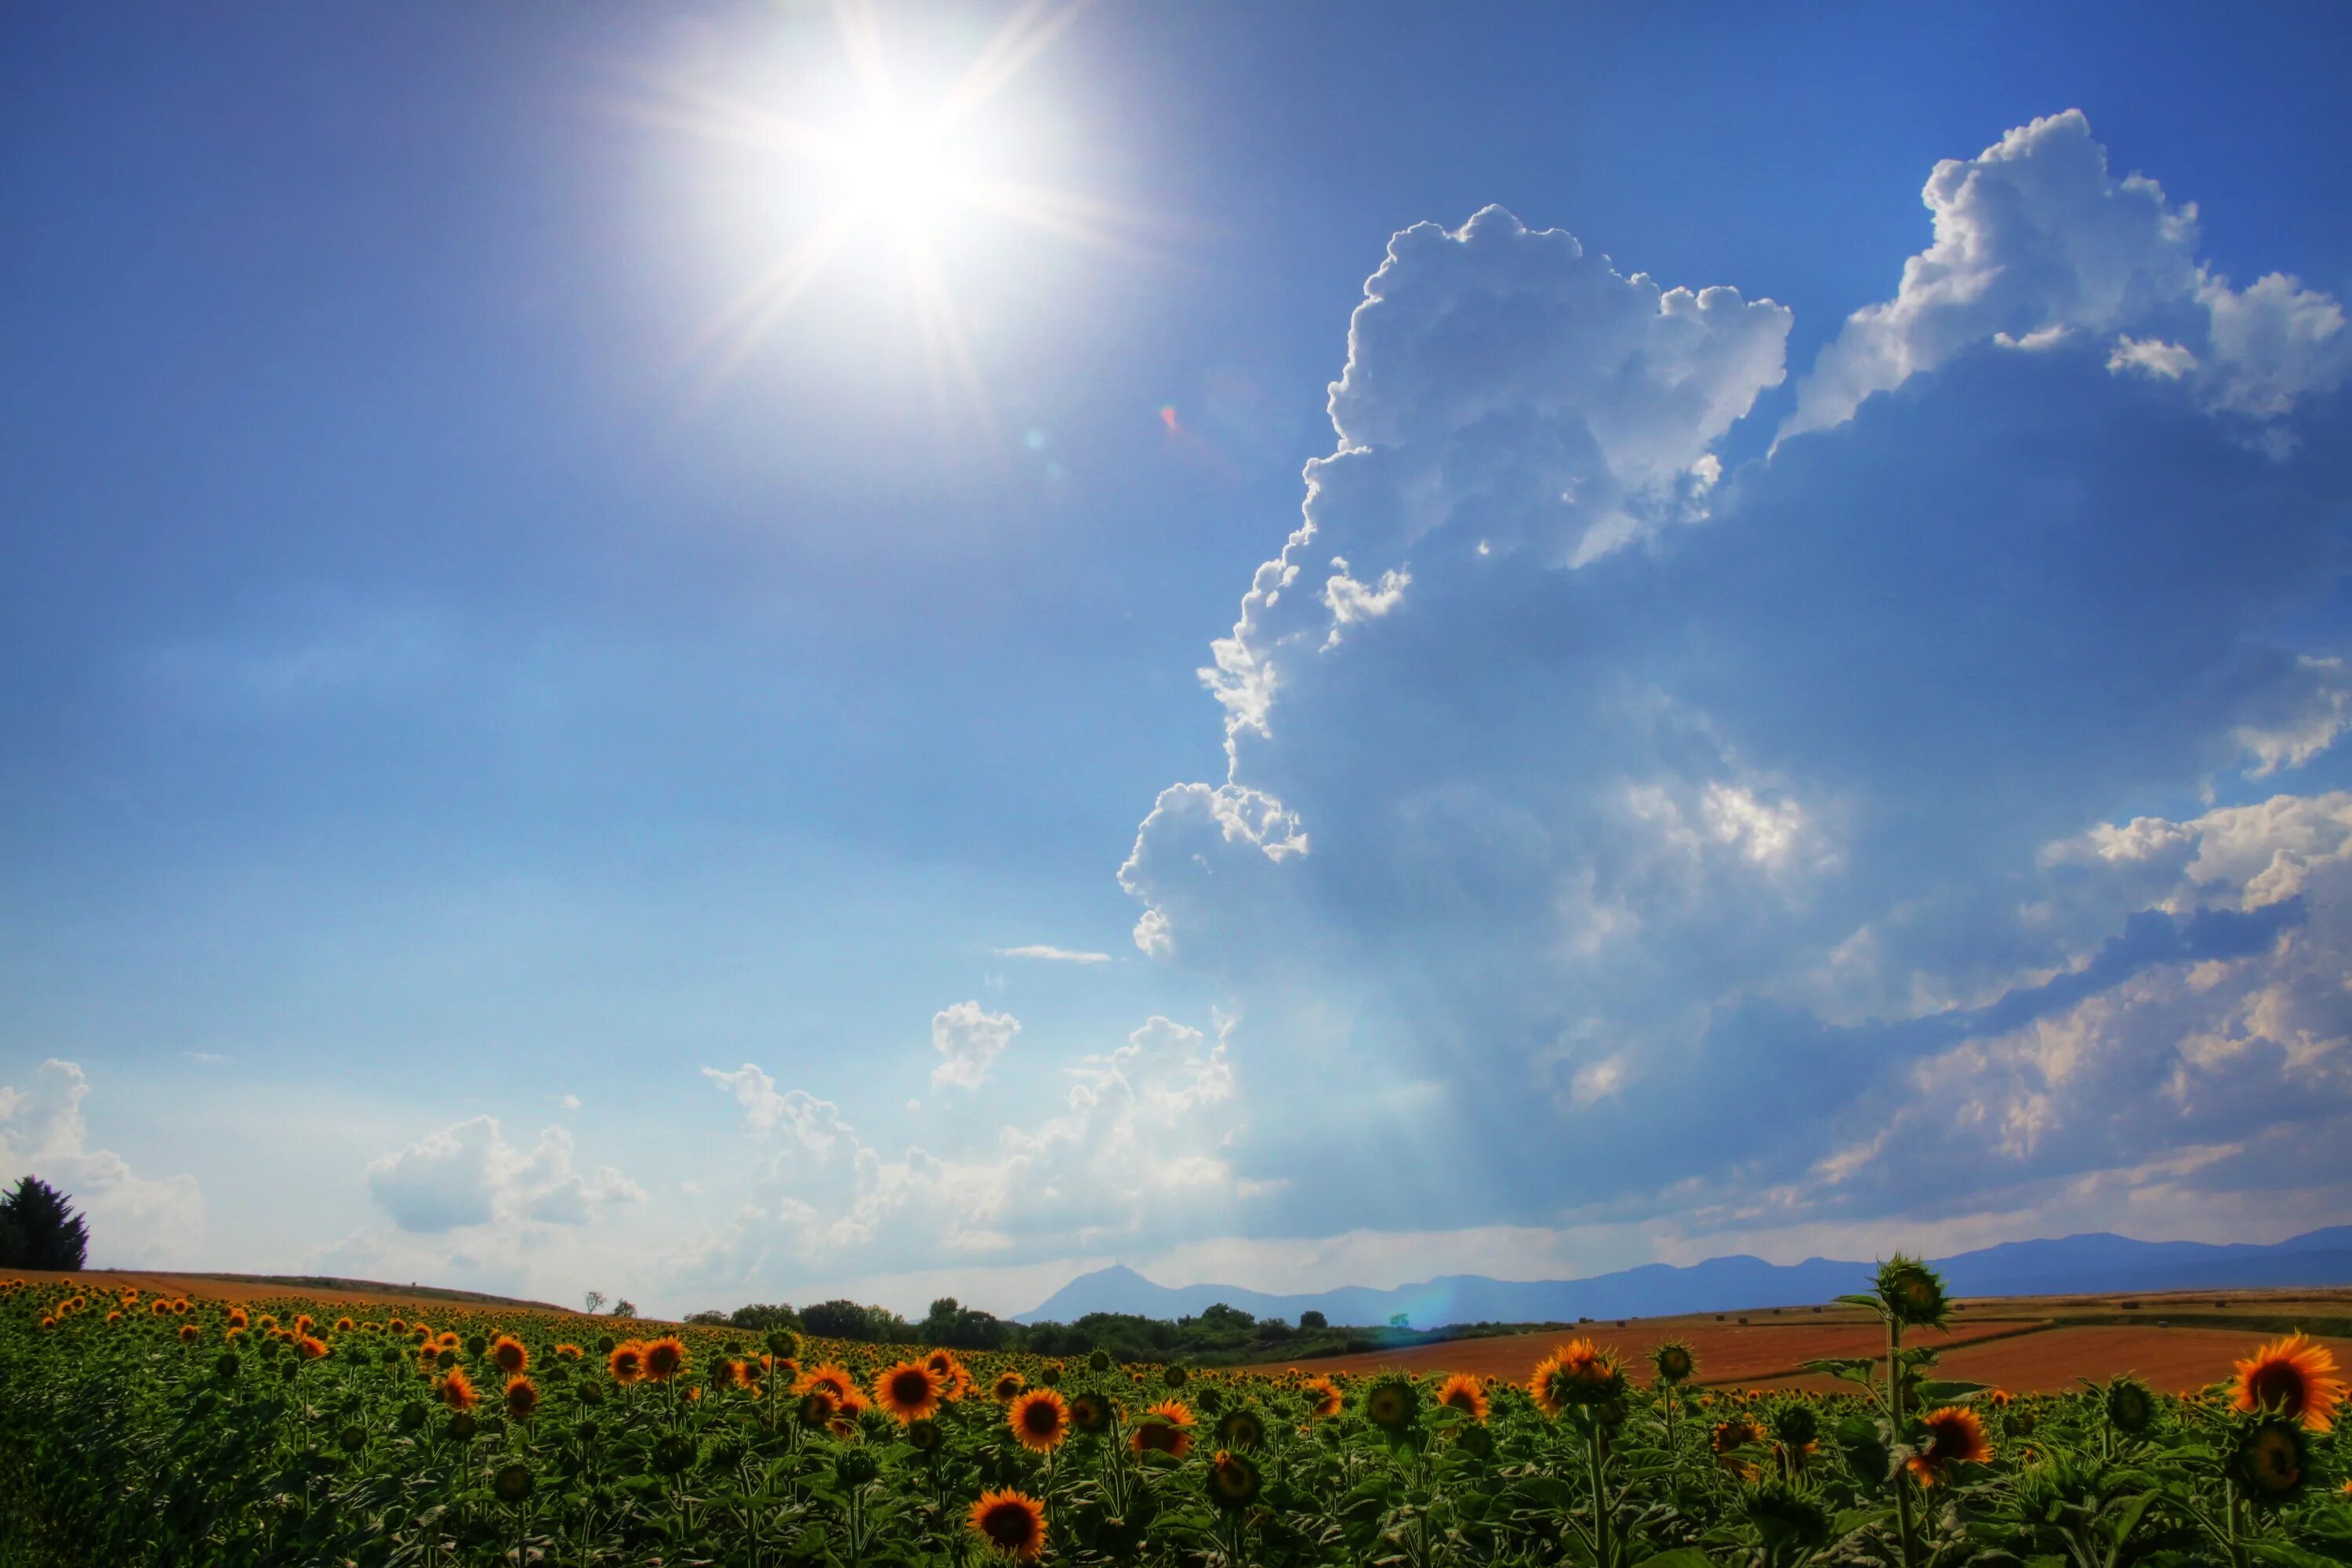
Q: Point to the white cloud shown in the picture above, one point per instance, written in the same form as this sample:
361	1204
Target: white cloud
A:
1748	827
1052	954
2153	356
469	1175
2033	238
134	1221
1141	1144
968	1038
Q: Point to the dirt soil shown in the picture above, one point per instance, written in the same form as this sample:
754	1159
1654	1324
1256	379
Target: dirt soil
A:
2172	1361
2021	1344
1726	1353
213	1287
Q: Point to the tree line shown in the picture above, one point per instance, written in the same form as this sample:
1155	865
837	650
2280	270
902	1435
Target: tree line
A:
1218	1335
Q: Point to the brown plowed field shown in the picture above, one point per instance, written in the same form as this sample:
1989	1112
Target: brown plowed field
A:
2172	1361
2012	1343
211	1287
1726	1353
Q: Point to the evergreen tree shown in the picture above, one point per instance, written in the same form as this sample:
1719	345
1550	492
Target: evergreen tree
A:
38	1229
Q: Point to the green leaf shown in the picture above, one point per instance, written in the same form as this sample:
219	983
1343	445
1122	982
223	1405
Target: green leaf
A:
1859	1368
1680	1557
2286	1554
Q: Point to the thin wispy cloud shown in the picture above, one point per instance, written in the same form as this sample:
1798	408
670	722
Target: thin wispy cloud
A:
1052	954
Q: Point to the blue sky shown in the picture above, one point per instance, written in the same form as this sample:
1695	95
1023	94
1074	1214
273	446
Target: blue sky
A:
517	774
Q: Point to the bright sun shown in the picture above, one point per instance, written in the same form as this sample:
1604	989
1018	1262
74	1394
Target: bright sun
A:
901	169
912	169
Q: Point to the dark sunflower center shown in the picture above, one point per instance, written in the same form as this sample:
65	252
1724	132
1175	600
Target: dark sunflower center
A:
1007	1524
2277	1385
2274	1463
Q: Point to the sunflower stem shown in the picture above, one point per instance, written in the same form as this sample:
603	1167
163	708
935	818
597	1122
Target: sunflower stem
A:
1904	1530
1602	1545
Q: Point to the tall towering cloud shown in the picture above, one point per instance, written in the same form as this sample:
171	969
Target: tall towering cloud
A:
2035	239
1608	834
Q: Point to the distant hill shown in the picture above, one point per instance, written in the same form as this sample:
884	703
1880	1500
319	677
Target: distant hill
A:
2076	1265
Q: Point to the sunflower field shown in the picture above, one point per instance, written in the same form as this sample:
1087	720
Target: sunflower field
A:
172	1431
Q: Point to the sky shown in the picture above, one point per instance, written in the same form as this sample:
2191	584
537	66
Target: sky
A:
749	652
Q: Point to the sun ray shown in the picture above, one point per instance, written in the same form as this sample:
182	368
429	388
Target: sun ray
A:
896	164
1027	34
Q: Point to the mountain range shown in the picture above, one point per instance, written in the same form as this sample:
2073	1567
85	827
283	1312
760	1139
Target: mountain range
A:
2073	1264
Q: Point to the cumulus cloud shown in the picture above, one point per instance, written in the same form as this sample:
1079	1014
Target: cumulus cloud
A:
134	1220
1142	1143
469	1175
968	1038
1603	822
2034	239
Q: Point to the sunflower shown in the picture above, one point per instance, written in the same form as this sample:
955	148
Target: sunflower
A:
1461	1392
311	1346
2131	1408
1089	1413
566	1352
1391	1404
397	1325
522	1397
344	1325
1955	1436
2270	1461
1786	1515
2294	1377
833	1378
510	1354
908	1391
1795	1424
457	1390
302	1323
1040	1419
925	1436
955	1379
664	1358
627	1362
1323	1397
819	1407
1577	1372
1007	1387
160	1307
1165	1428
1241	1430
188	1332
1011	1523
1234	1481
1674	1362
1727	1438
1910	1292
